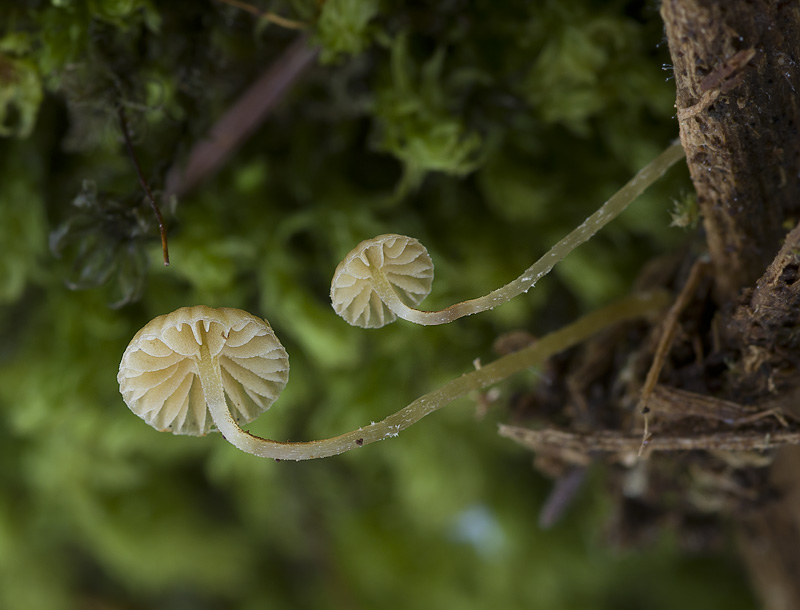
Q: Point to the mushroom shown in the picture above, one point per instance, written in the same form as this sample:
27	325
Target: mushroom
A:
380	279
198	368
384	278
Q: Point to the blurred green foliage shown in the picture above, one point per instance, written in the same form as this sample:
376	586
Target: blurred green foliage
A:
413	122
486	129
343	27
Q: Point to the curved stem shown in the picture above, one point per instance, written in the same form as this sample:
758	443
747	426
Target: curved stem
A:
605	214
388	295
502	368
214	392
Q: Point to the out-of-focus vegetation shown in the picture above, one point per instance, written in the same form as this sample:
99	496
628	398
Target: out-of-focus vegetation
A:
485	129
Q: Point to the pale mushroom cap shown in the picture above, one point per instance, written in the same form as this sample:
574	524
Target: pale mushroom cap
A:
158	375
403	260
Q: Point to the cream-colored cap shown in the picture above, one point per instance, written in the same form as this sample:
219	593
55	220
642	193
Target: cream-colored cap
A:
405	263
158	375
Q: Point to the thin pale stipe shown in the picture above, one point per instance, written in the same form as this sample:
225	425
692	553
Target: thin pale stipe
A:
628	308
373	278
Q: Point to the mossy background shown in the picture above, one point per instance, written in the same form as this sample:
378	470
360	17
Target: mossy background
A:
485	129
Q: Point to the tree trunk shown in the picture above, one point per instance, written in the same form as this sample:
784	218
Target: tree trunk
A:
737	98
736	74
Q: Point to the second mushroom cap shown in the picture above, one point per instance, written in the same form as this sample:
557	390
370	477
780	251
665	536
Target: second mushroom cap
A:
405	264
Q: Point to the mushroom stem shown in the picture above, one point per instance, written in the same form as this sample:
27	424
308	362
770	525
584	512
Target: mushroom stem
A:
393	301
600	218
211	380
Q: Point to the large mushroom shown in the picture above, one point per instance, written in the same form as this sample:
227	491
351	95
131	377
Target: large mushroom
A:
384	278
198	369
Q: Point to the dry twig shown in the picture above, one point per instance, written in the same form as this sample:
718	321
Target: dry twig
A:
672	403
269	16
610	441
123	122
242	118
665	342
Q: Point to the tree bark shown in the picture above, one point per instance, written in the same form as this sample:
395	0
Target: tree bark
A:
736	75
769	536
736	72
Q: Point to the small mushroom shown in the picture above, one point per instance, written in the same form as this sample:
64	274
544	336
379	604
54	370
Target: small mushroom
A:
380	279
198	368
384	278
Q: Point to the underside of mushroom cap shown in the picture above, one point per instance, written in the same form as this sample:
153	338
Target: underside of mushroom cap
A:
158	374
405	263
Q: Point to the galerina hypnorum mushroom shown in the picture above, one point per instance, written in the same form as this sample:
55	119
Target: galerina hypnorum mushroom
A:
199	368
386	277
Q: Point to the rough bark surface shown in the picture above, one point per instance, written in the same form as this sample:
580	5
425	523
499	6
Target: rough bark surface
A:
717	380
736	72
768	320
766	327
768	537
737	84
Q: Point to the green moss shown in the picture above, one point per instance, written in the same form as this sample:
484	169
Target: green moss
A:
413	122
20	97
23	227
343	27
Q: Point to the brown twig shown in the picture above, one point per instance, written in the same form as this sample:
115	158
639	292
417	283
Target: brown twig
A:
561	496
665	342
676	404
610	441
269	16
123	122
242	118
